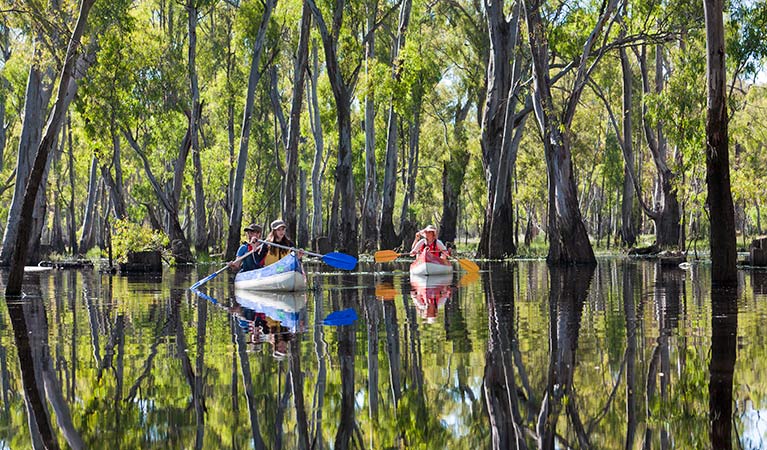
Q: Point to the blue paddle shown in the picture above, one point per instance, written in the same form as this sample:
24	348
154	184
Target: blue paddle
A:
343	317
215	274
338	260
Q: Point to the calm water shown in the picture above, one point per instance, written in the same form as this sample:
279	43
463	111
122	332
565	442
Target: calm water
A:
627	355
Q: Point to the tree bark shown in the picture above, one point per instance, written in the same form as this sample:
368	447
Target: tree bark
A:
722	234
294	124
388	237
235	215
16	274
319	149
568	240
497	238
36	101
87	235
453	173
342	93
628	225
200	219
370	201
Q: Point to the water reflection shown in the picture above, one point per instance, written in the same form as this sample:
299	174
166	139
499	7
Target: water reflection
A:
429	293
622	356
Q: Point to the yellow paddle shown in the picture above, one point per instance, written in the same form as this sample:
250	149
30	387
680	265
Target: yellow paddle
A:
390	255
387	255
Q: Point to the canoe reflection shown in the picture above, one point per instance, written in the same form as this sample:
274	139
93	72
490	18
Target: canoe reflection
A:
270	317
429	293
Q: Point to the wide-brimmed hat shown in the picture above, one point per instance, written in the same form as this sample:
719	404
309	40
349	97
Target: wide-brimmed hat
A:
278	223
429	228
253	227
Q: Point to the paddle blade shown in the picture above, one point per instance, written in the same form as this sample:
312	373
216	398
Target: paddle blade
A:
385	256
340	261
469	266
344	317
385	291
469	278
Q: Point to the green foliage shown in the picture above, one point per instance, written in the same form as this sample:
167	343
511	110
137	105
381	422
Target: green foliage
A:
130	237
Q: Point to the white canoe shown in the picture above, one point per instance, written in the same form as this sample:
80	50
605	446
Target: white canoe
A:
286	275
428	264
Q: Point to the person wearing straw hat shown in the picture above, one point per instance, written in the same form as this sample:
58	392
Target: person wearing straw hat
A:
426	240
252	246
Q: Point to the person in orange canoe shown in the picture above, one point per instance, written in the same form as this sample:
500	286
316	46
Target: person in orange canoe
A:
426	240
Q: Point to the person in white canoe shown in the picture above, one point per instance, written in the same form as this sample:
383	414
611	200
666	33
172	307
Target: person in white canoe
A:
426	240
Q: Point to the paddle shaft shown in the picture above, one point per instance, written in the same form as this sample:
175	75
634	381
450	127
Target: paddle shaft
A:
290	248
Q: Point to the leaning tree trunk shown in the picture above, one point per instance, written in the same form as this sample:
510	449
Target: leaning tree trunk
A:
235	215
722	234
568	240
370	201
294	124
35	103
13	288
388	237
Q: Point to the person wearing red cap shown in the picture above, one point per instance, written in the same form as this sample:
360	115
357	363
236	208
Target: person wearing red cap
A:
426	240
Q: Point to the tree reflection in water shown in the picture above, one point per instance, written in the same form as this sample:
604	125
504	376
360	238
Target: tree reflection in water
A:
724	338
30	328
100	361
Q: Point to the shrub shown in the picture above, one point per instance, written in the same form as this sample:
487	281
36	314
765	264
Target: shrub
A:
131	237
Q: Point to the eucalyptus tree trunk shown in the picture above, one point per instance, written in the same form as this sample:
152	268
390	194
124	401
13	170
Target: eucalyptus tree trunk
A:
319	149
370	201
71	219
343	95
628	224
5	87
115	183
666	213
294	125
497	238
235	215
87	232
302	236
722	233
388	237
13	288
568	239
36	101
200	219
453	173
407	220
